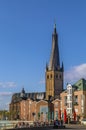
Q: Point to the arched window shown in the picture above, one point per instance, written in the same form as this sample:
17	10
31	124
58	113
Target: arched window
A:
60	76
47	76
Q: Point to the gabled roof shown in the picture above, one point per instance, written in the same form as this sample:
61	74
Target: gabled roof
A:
56	100
80	85
42	101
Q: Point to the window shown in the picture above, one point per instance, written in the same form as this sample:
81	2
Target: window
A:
51	75
60	76
56	76
70	91
65	100
76	100
69	98
47	76
56	114
56	104
70	111
70	105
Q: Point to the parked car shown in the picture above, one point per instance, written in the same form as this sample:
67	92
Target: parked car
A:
83	121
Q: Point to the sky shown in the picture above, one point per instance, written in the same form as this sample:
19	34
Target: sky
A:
26	28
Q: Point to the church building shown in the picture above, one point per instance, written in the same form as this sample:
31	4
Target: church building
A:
54	86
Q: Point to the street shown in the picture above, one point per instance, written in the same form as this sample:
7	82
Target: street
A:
67	127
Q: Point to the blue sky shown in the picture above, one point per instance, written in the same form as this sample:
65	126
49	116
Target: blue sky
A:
25	43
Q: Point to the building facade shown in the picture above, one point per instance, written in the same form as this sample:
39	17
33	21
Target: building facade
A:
73	99
38	111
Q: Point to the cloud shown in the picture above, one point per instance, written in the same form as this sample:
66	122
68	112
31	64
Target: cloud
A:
7	103
5	100
1	98
4	106
75	73
72	75
6	93
42	82
7	84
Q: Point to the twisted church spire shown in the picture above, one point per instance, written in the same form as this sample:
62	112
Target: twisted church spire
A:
54	63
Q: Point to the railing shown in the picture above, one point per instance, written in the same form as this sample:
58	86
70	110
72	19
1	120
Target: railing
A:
12	124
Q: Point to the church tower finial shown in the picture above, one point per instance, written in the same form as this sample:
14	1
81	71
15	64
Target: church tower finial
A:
54	26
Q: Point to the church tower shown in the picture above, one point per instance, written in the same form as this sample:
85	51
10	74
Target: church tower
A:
54	73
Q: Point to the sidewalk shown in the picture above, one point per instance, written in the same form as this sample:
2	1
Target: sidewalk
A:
75	126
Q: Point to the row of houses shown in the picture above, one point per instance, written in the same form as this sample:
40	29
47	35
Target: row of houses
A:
72	99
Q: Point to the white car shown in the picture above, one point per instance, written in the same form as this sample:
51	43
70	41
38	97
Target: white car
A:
83	121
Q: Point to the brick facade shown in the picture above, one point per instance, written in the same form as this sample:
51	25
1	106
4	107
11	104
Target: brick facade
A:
37	110
78	102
